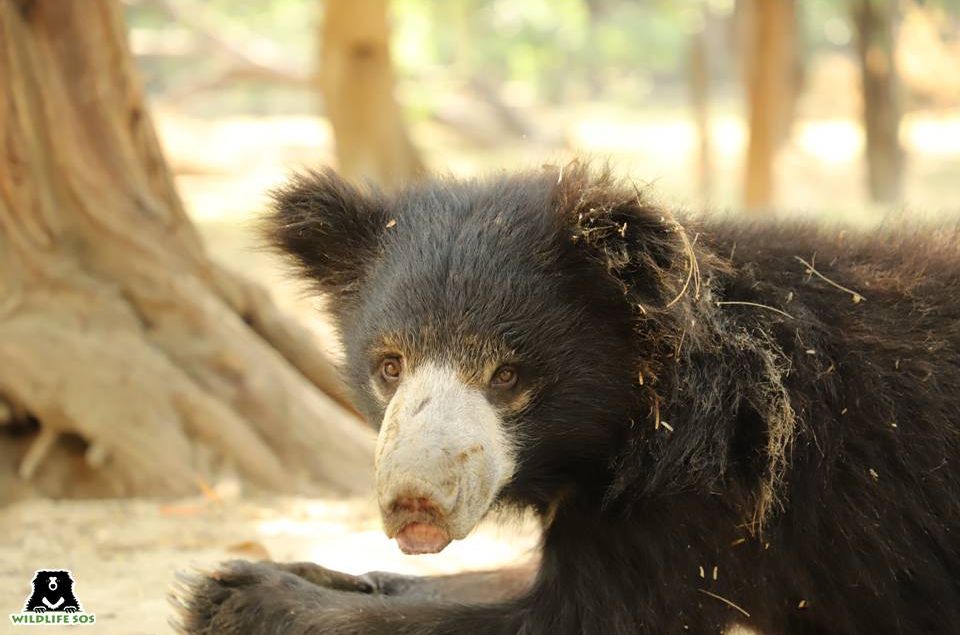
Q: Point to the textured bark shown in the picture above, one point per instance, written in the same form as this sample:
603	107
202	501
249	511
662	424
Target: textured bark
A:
770	73
357	81
117	334
875	22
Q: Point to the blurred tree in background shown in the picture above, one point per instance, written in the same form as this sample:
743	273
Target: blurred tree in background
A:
876	24
357	80
768	46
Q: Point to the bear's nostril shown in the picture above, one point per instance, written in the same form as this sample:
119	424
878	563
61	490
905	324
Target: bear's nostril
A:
420	504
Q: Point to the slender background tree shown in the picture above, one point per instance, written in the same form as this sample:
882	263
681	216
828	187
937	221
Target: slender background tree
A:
875	23
769	53
357	79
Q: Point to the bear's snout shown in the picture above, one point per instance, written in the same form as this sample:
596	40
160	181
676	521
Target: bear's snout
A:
442	458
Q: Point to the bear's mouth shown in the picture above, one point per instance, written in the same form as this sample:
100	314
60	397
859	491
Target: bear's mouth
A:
419	538
417	525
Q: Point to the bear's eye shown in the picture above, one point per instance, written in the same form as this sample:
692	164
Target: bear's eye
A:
504	379
391	368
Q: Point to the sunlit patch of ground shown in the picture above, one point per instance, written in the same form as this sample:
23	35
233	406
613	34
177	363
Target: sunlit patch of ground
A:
123	554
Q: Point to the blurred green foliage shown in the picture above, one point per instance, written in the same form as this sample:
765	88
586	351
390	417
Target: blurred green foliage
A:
551	45
548	51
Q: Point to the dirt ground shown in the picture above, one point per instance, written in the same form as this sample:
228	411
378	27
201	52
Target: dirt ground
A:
123	554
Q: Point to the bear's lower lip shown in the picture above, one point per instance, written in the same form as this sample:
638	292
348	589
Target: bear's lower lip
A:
419	538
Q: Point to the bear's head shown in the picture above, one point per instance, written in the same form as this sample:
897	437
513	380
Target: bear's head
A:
486	332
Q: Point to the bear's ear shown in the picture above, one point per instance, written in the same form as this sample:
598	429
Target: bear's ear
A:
330	228
613	220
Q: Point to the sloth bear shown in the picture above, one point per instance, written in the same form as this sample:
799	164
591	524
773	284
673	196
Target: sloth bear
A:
719	422
52	592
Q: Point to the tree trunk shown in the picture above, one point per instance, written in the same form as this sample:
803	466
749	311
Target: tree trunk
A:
875	26
769	70
148	369
700	100
591	60
357	81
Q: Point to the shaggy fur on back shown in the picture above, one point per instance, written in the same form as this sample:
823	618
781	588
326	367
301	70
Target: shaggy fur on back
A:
811	379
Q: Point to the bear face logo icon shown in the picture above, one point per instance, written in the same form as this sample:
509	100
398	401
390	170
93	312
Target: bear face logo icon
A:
52	592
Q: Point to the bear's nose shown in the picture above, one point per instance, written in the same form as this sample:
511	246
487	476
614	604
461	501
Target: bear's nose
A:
416	504
421	523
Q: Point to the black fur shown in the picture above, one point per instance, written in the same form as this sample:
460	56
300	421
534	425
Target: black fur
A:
718	434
